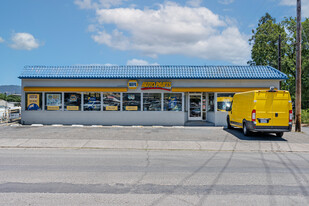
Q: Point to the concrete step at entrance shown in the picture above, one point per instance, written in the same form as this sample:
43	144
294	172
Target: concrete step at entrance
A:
199	123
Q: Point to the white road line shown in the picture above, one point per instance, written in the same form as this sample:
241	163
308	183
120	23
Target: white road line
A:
77	125
157	126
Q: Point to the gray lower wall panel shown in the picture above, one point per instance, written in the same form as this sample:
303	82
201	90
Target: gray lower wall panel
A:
103	118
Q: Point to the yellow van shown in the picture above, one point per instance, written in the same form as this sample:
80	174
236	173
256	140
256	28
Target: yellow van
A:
261	111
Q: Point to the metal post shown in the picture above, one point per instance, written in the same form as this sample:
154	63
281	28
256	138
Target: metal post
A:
162	101
82	101
121	101
43	101
141	102
62	100
279	57
298	70
101	99
183	102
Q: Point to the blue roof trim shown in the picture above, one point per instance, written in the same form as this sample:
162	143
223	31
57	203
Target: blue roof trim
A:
151	72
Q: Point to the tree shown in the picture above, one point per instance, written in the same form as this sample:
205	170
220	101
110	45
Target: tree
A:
13	98
10	98
3	96
264	43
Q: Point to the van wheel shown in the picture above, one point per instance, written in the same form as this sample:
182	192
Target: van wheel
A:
245	129
279	134
229	126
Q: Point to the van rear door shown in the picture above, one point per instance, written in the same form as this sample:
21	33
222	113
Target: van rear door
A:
280	108
264	102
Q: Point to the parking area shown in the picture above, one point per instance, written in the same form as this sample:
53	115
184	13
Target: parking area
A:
139	137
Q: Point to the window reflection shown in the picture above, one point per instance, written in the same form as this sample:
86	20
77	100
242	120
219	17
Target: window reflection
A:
151	101
224	101
210	105
72	101
131	101
111	101
92	101
173	102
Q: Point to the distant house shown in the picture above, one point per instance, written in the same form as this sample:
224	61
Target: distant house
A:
4	104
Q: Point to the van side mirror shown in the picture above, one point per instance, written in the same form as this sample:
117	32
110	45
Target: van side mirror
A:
228	108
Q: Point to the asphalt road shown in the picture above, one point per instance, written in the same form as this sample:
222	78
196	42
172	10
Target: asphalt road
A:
130	177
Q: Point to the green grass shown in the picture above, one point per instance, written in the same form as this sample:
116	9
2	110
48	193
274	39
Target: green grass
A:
305	116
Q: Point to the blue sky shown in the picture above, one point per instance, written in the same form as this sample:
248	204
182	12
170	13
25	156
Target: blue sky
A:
124	32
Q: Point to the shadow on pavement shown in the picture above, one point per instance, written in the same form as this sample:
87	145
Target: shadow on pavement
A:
254	136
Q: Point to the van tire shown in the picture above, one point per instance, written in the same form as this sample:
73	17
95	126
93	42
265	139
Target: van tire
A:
279	134
229	126
245	129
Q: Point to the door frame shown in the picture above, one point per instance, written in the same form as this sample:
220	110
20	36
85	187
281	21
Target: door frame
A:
201	105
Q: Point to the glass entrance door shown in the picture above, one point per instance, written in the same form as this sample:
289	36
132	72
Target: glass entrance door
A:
195	107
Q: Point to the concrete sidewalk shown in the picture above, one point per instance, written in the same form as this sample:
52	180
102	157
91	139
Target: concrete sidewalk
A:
240	146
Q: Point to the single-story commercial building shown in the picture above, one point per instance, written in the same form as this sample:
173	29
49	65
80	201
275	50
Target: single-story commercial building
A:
137	95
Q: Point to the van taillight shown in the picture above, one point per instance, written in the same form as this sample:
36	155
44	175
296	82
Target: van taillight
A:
253	115
290	116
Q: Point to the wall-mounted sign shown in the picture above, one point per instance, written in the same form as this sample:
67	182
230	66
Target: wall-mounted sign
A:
52	107
132	84
131	108
73	108
157	85
33	101
111	108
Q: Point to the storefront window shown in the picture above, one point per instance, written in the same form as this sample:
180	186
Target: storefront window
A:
92	101
34	101
53	101
152	102
210	105
111	101
224	101
173	102
72	101
131	101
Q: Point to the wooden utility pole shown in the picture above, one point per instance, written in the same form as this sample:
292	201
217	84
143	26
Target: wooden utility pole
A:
298	70
279	57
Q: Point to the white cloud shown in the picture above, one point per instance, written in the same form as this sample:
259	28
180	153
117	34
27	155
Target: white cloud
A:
194	3
24	41
97	4
1	40
107	64
139	62
173	29
304	6
226	2
288	2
